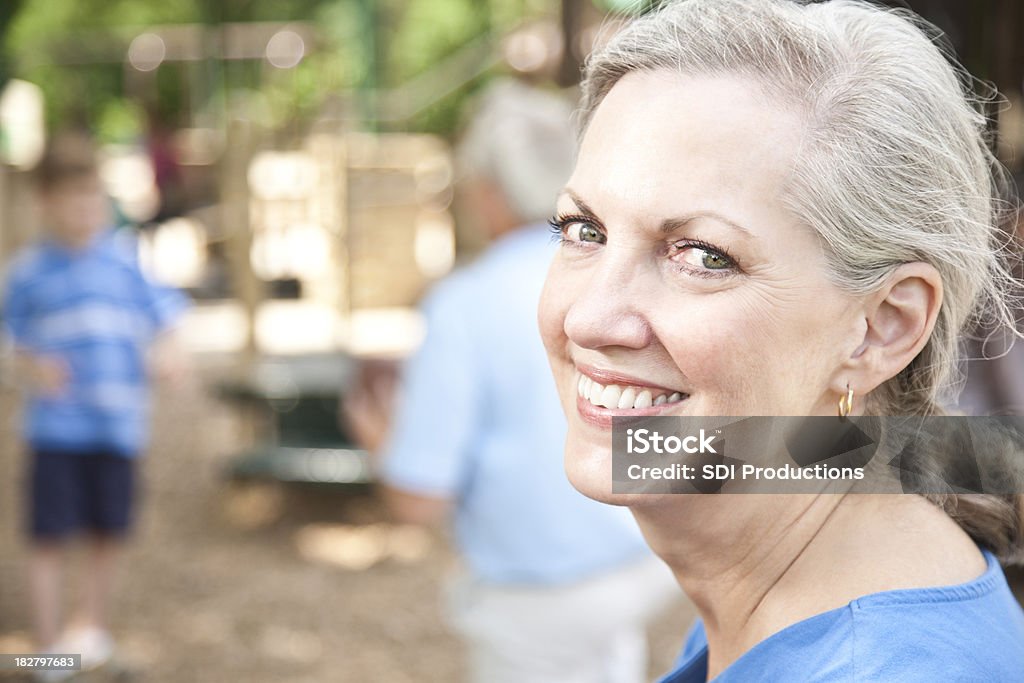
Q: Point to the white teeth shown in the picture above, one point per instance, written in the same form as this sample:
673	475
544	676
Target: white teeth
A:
610	396
615	397
643	400
627	398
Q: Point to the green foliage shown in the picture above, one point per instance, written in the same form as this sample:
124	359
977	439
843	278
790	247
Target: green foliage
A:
431	29
340	64
55	44
120	120
73	49
427	31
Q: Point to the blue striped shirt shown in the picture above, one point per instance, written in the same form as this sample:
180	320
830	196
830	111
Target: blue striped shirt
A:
95	310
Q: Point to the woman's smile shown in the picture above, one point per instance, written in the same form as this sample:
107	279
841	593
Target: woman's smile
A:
604	394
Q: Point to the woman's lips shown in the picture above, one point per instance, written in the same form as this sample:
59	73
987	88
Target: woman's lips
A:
598	403
607	377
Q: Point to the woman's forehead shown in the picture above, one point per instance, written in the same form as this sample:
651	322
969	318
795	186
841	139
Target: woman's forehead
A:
662	143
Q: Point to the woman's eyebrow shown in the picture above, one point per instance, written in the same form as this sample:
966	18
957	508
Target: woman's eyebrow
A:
580	204
672	224
669	225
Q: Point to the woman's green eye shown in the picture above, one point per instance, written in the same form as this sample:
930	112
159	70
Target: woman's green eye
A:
713	261
584	232
588	233
702	258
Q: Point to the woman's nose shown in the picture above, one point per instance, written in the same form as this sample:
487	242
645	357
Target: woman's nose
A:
606	311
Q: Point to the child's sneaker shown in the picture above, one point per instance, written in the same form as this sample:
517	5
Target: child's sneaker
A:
52	675
94	644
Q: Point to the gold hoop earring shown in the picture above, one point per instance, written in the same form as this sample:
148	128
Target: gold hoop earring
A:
846	403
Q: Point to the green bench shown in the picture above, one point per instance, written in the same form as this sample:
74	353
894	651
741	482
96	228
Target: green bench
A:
296	399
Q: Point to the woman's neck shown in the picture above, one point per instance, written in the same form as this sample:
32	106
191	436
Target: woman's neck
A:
754	564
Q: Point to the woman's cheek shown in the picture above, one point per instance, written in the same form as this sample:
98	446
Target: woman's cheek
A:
551	311
555	300
725	354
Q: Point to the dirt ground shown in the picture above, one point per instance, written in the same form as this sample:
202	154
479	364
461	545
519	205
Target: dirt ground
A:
260	583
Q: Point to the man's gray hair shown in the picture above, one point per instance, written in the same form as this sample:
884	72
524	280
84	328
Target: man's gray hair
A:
521	138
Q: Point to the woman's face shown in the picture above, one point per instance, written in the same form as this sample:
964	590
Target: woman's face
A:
683	285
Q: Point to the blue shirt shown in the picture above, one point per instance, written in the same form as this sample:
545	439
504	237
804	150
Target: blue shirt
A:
93	309
969	632
480	422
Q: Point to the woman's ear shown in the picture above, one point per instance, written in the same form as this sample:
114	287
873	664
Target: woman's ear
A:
900	318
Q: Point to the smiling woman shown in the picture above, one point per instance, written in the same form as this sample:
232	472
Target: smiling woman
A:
777	205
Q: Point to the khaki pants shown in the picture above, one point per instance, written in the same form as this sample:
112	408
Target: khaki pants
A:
592	631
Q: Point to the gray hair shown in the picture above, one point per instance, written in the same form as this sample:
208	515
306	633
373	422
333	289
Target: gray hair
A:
521	137
894	168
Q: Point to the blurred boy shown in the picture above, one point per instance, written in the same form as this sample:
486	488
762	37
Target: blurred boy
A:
82	318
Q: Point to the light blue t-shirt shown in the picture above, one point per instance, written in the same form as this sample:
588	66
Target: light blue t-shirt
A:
95	310
969	633
480	422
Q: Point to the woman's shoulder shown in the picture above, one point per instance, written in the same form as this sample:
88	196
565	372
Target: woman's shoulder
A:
970	631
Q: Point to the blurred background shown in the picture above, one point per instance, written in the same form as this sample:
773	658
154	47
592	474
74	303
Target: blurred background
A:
289	164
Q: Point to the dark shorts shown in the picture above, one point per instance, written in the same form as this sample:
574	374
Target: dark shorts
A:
74	492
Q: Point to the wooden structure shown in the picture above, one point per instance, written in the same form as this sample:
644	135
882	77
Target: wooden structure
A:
353	220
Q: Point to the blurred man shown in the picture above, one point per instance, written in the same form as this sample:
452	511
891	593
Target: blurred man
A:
82	318
557	588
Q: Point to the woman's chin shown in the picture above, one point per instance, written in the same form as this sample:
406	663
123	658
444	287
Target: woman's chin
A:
589	470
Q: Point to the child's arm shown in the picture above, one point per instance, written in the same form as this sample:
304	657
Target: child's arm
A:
167	359
45	376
